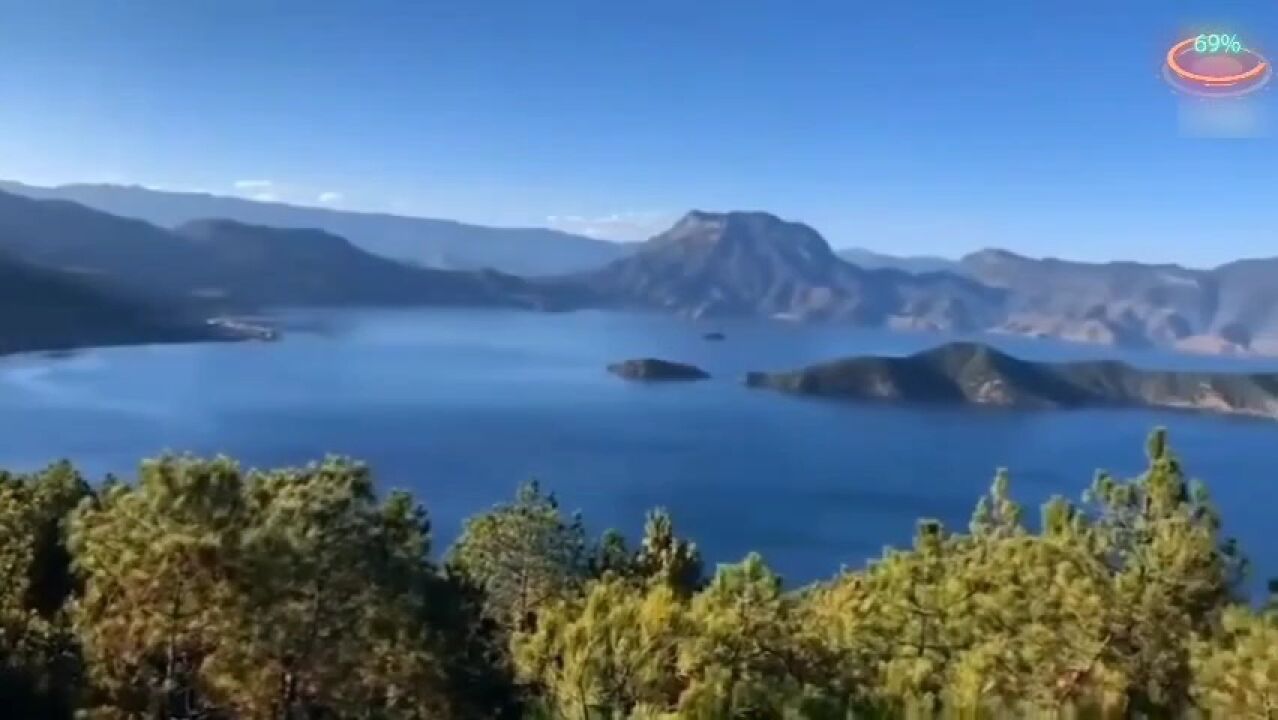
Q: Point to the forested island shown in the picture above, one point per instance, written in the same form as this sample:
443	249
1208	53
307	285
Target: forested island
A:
204	590
655	369
967	373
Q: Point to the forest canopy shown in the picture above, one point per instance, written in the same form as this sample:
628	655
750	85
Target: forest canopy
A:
202	589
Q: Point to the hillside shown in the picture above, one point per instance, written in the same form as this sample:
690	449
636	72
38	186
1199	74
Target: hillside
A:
974	374
222	265
423	241
262	266
916	264
47	310
753	263
1232	308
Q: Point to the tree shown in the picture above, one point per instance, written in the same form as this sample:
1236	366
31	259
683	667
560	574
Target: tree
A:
666	558
284	594
1172	573
523	556
609	654
748	656
39	657
203	591
612	557
1235	670
333	587
158	561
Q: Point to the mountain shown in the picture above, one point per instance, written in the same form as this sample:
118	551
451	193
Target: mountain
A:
1230	308
974	374
752	263
44	309
224	265
104	250
914	264
433	243
1246	302
706	265
262	267
755	264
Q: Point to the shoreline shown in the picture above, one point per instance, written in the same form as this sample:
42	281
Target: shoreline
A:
213	330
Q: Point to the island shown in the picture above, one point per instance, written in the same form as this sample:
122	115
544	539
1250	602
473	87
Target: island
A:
969	373
244	328
713	335
655	369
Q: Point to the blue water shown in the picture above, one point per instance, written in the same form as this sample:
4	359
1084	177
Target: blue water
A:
460	406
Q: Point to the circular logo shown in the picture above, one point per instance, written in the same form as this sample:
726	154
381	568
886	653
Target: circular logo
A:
1215	65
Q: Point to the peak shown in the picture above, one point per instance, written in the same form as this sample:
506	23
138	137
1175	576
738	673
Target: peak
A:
697	221
721	225
965	350
992	255
738	215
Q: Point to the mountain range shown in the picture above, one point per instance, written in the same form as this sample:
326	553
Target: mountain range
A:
728	264
78	276
756	264
429	242
42	309
231	266
873	260
709	264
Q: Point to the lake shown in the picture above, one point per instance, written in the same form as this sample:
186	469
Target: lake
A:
460	406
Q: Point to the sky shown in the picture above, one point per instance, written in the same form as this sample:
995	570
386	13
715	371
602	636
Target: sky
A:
903	126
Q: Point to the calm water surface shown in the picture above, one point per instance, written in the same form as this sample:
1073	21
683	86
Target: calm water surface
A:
460	406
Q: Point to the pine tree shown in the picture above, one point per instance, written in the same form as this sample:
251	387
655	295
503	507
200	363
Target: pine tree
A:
39	655
158	561
522	555
666	558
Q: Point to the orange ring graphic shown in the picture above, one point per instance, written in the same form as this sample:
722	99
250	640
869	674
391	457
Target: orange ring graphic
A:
1175	67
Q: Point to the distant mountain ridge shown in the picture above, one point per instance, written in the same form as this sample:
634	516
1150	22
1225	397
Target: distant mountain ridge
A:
42	309
872	260
708	264
966	373
743	263
753	263
79	276
1232	308
231	266
443	244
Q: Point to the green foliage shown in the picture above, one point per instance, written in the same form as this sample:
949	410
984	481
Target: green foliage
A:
522	555
610	653
291	593
39	660
1235	671
666	558
205	591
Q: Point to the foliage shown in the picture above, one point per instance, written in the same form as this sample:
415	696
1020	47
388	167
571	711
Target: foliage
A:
202	590
292	593
522	555
39	662
666	558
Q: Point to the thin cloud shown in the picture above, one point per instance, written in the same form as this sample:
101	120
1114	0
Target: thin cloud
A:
265	197
624	226
329	197
253	184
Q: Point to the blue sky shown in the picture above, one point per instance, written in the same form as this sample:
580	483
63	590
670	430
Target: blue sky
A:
908	127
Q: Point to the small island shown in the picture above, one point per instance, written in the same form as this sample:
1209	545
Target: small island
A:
713	336
966	373
655	369
244	328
